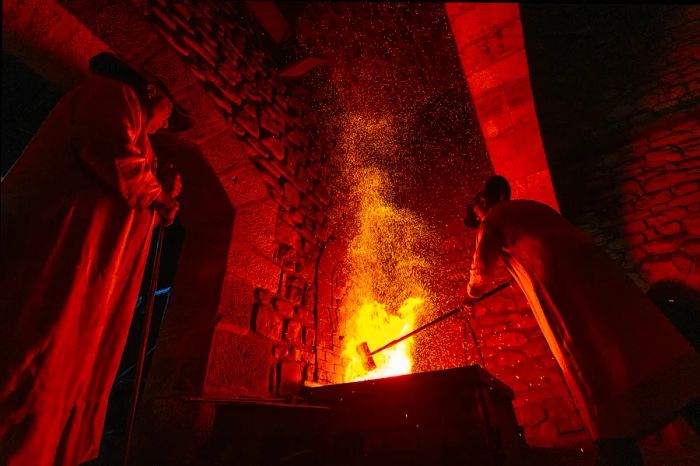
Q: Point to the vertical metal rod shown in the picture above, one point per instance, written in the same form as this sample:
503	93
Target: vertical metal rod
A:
150	299
476	342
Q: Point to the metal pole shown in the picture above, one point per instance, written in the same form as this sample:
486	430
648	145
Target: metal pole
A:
488	294
150	298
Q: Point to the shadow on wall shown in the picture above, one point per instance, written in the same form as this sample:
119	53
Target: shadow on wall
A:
589	68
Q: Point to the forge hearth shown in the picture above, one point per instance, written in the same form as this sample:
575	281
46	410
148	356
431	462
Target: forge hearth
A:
461	416
454	416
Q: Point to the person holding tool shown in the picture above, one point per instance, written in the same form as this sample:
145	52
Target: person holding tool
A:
78	210
629	370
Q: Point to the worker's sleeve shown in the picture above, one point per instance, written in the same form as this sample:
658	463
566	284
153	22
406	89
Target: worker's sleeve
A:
111	148
489	242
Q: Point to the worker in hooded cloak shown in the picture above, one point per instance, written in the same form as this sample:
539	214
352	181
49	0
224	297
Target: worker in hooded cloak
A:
630	371
78	210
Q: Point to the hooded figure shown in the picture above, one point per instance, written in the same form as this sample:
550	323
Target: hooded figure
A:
630	371
78	210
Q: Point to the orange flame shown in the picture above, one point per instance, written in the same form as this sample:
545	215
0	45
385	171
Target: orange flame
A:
377	327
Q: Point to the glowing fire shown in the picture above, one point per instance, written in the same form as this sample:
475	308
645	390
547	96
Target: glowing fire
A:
385	290
374	325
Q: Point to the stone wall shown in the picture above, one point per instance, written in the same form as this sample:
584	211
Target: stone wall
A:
626	163
231	57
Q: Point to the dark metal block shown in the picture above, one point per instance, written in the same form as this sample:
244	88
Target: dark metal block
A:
454	416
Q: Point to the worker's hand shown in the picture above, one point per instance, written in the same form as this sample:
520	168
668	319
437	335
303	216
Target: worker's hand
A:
170	180
166	206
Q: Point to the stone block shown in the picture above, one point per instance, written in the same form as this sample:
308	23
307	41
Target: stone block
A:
631	187
268	323
270	123
535	347
470	21
660	246
665	180
238	364
304	314
232	75
178	44
201	51
663	155
294	289
692	224
283	308
251	148
248	90
309	372
510	68
291	194
686	188
286	256
285	233
262	295
275	147
236	305
634	227
248	122
531	414
670	228
254	226
309	336
668	215
655	270
296	137
691	247
247	266
509	358
687	200
232	96
163	17
293	332
280	352
683	263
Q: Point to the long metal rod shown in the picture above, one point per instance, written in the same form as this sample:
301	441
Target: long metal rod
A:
476	340
150	299
500	287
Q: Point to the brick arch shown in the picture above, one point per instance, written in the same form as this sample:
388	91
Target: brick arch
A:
490	43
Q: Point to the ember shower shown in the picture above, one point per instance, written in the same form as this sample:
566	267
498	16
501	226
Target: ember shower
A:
404	132
387	270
